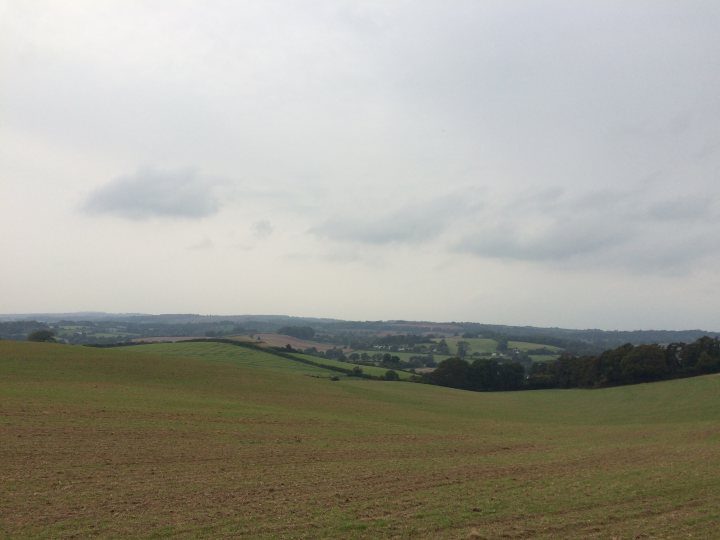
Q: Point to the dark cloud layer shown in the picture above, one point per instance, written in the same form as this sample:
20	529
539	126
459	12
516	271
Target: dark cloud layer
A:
155	193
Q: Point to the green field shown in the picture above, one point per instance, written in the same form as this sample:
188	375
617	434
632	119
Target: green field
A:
544	357
370	370
254	358
525	346
477	345
404	356
205	440
486	345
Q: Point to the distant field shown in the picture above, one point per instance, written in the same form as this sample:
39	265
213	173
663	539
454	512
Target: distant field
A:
280	340
370	370
230	354
165	339
205	440
544	357
404	356
479	345
484	345
525	346
248	357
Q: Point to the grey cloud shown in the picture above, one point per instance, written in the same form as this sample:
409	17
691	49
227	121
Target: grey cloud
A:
562	241
205	244
156	193
616	229
412	224
262	228
682	208
641	229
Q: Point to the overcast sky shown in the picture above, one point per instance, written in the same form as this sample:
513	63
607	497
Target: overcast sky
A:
551	163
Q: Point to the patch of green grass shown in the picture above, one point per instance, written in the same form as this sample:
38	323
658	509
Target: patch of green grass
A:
230	354
370	370
544	357
526	346
404	356
486	345
477	345
211	440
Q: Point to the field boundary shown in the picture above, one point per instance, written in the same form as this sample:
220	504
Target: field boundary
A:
246	345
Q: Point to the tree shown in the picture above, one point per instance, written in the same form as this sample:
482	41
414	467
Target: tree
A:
442	347
484	374
511	376
42	335
391	375
644	363
452	372
707	364
391	361
463	348
300	332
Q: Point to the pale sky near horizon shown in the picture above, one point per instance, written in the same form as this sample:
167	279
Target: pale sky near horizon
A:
547	163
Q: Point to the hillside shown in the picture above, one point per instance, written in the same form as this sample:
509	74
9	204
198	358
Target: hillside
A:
309	365
110	328
211	440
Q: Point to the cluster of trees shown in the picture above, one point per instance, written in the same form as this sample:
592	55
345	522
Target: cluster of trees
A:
627	364
42	336
300	332
482	375
402	340
19	330
391	360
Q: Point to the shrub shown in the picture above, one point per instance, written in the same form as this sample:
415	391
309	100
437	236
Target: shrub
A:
391	375
42	335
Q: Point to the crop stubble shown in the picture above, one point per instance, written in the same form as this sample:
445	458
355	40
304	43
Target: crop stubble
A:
273	455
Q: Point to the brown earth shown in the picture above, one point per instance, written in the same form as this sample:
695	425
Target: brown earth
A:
165	339
280	340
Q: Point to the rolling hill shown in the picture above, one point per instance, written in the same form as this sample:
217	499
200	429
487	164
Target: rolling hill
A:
211	440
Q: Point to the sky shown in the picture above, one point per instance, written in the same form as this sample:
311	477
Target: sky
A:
526	162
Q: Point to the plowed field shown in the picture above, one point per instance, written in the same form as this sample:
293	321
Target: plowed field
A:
217	441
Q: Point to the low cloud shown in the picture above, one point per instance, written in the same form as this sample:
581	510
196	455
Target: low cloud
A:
687	208
202	245
639	229
262	229
412	224
150	193
615	229
556	242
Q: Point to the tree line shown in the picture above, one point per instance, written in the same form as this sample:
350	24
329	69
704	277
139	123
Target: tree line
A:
627	364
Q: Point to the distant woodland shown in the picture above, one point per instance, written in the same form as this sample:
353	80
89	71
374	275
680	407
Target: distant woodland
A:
627	364
560	358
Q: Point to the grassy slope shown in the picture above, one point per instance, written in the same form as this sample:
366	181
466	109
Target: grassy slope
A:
486	345
404	356
249	357
525	346
370	370
233	443
479	345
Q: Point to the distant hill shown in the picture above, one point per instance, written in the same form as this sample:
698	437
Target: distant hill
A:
134	325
